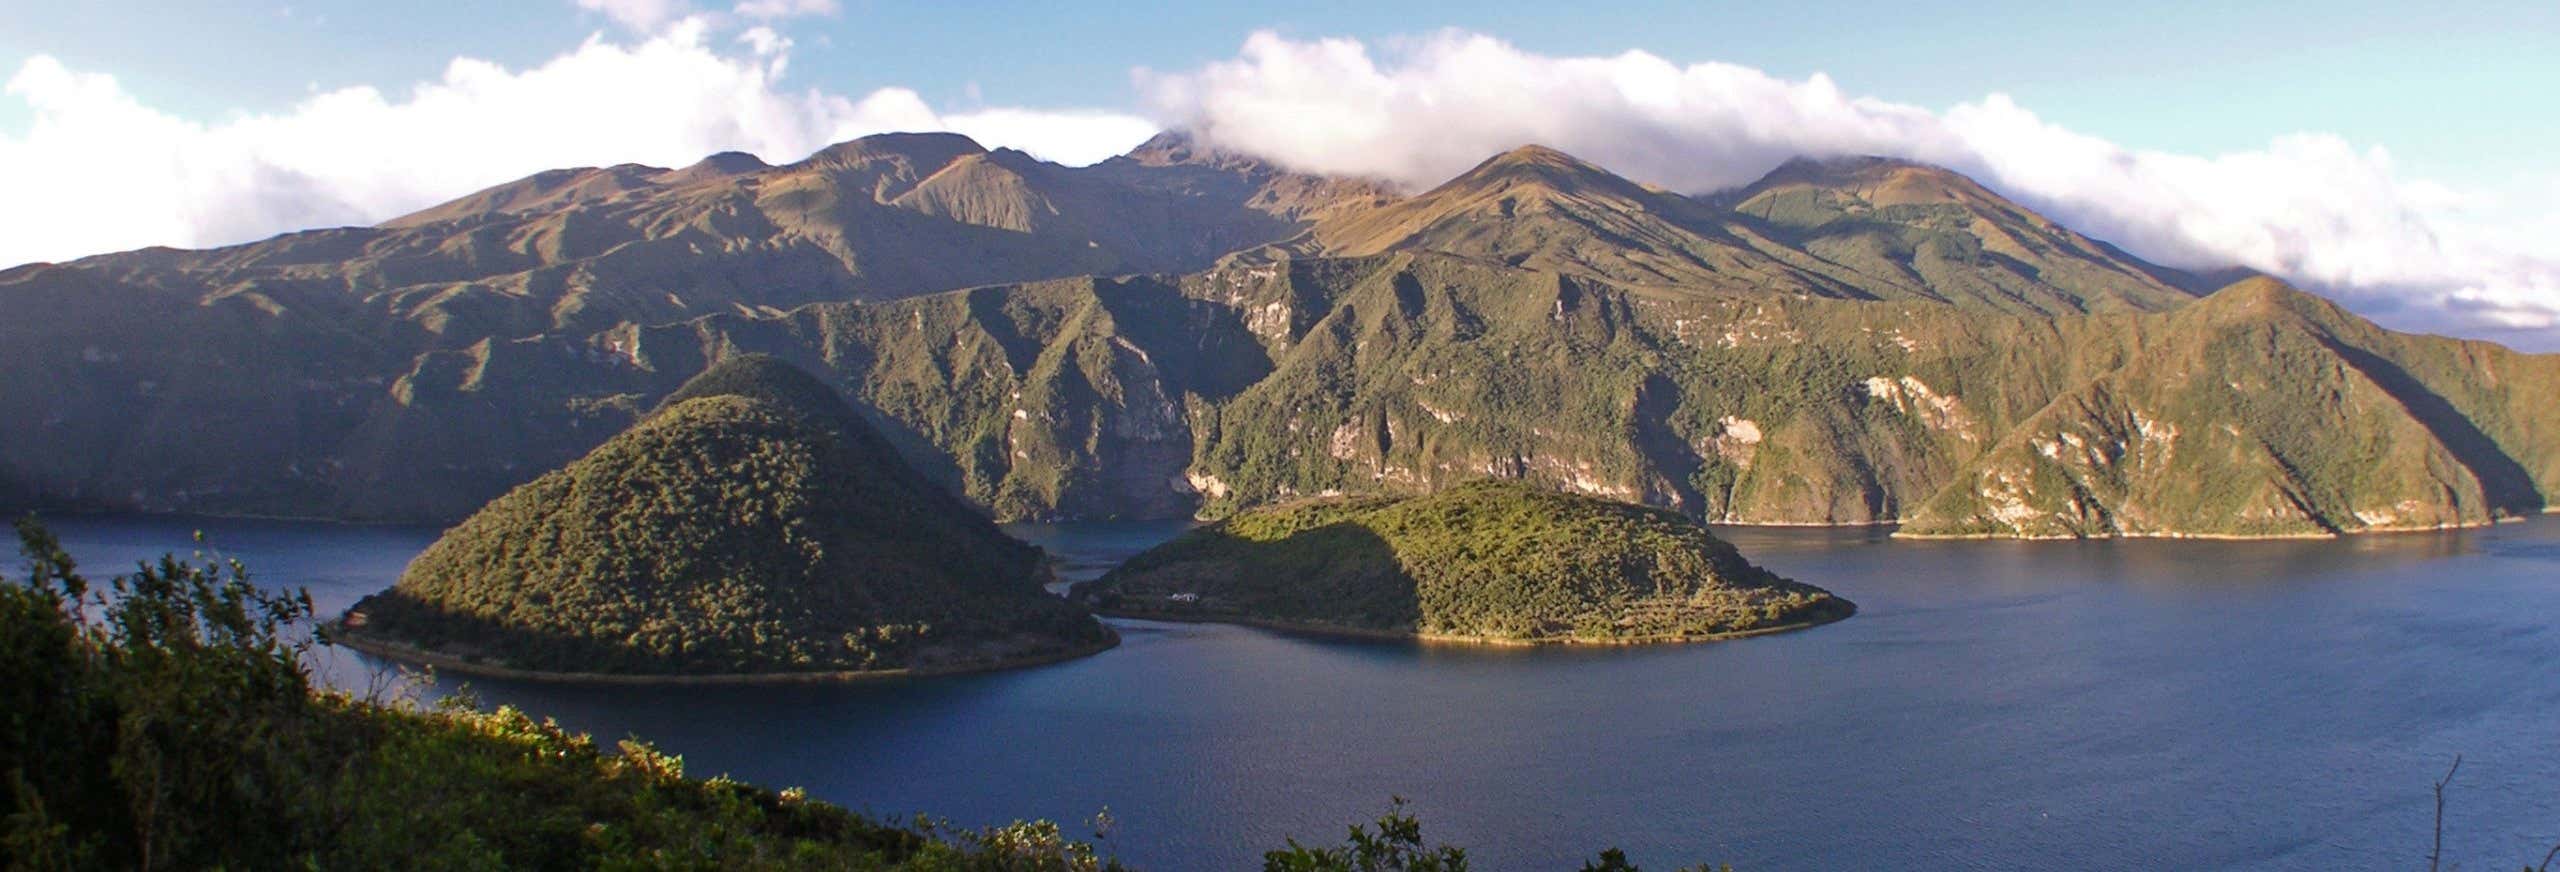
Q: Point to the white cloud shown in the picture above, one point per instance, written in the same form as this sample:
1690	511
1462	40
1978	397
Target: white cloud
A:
1075	138
97	170
645	16
765	41
769	10
2310	207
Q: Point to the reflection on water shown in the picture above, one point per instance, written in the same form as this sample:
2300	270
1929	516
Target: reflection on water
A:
2142	704
2214	563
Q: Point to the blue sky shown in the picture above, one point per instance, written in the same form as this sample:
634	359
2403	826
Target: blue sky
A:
2397	160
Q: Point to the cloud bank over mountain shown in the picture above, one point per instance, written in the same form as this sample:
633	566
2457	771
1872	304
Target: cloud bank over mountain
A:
2310	207
100	171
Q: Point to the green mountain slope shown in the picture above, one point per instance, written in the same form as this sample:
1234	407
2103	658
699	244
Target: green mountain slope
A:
1928	233
1488	560
1259	382
874	218
1539	208
753	524
1843	342
1425	371
2266	411
1866	229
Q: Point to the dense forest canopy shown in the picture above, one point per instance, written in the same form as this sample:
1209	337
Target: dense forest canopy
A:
1490	560
753	524
165	719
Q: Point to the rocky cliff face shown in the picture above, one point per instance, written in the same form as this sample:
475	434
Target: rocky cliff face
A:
1855	342
2262	410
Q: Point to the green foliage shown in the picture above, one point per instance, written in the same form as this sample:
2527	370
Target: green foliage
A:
1430	371
1614	860
1396	846
2264	411
1896	229
110	752
1543	320
165	721
1490	559
755	524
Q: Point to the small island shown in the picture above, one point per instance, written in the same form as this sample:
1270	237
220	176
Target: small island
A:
753	527
1488	562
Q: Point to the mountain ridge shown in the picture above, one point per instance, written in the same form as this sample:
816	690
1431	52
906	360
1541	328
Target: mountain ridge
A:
1850	341
1808	228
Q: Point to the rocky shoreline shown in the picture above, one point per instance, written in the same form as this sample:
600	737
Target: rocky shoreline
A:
1373	634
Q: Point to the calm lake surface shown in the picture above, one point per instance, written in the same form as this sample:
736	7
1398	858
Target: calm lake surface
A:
1994	705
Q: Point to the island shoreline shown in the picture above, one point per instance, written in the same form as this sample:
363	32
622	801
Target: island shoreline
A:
1895	533
2332	536
1443	639
335	633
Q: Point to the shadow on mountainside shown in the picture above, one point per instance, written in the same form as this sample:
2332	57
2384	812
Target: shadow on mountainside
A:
2508	486
1337	575
1677	459
1196	346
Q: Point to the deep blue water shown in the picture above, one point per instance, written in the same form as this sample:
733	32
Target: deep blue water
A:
1994	705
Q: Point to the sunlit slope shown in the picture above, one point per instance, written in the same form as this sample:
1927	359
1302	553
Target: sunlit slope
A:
754	524
1858	341
879	217
1487	560
2262	410
1867	229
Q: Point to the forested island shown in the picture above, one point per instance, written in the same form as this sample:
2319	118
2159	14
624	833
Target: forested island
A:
753	527
168	719
1490	561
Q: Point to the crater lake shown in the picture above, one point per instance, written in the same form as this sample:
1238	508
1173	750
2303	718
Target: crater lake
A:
1994	704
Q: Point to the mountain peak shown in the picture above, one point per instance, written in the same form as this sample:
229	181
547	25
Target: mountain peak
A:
1881	181
1540	171
2258	289
1166	147
1178	147
761	377
2258	298
1540	160
1537	207
1535	154
929	149
718	166
731	162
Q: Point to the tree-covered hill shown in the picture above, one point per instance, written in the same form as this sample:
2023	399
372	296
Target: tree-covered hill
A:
753	525
166	719
1491	560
